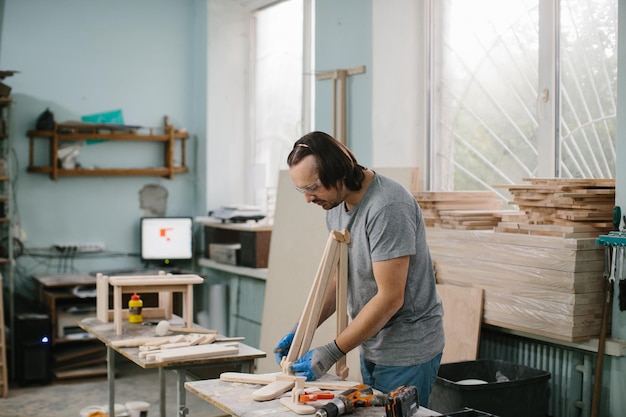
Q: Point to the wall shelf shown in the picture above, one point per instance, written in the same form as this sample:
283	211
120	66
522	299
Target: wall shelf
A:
78	131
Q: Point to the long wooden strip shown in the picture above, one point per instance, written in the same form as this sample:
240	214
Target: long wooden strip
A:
102	298
325	382
139	341
318	302
305	319
192	330
200	351
149	280
341	312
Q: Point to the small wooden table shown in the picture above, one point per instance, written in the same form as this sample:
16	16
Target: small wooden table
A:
164	284
105	332
235	398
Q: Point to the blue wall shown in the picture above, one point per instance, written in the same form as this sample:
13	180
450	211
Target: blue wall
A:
145	57
343	36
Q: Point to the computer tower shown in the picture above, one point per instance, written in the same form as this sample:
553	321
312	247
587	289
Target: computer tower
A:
33	342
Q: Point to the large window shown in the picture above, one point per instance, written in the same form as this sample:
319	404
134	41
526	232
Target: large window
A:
522	88
278	102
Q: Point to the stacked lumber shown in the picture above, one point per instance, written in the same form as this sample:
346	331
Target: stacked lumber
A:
543	285
476	219
562	207
447	208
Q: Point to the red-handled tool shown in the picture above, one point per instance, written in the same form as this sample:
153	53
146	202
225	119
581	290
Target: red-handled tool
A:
308	397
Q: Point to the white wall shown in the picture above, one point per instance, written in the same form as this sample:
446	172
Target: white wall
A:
399	127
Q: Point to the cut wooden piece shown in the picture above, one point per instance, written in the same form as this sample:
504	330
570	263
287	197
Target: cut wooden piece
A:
230	339
462	316
312	316
201	351
308	323
192	330
261	379
175	345
139	341
202	339
165	339
102	297
341	368
326	382
146	313
273	390
309	319
297	408
292	402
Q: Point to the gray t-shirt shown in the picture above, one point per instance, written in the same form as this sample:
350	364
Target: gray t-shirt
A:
387	223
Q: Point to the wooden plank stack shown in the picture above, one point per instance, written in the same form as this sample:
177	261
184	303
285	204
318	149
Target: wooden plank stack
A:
541	285
540	267
475	219
473	210
562	207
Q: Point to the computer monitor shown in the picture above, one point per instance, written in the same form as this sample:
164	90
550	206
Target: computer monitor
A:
166	241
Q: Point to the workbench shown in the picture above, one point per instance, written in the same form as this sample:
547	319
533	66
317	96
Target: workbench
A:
242	361
235	398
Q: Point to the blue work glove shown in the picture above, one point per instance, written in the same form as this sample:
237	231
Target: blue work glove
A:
315	363
283	346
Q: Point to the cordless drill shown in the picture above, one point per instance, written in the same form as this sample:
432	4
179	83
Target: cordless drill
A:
359	396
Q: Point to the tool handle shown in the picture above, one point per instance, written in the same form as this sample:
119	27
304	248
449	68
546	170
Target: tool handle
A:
617	217
314	396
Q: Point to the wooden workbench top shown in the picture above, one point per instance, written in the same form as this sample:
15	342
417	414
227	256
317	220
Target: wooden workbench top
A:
235	398
105	332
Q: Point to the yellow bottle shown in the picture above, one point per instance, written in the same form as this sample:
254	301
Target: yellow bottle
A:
135	304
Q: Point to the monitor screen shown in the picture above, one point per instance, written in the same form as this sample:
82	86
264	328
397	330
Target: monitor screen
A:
166	239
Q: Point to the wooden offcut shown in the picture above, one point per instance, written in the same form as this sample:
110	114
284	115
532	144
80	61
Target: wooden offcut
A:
462	317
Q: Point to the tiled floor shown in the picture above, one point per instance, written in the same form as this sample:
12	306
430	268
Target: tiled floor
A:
67	399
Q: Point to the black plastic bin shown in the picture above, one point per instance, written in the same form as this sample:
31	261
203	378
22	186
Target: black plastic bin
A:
524	394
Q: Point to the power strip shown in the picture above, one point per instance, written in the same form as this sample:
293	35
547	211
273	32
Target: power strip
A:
79	247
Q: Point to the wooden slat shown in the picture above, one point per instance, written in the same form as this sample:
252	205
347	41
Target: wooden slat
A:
463	310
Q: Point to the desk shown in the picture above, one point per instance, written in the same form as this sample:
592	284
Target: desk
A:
105	332
235	398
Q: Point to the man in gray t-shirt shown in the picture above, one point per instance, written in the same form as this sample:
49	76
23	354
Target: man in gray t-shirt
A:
397	318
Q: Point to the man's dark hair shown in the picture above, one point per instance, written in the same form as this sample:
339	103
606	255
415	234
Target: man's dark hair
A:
334	160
